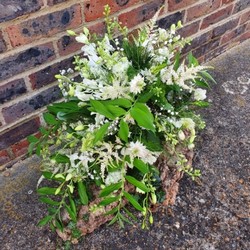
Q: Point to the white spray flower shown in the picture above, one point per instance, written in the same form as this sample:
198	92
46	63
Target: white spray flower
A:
200	94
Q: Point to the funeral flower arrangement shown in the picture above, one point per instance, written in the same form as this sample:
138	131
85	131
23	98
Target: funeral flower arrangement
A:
129	100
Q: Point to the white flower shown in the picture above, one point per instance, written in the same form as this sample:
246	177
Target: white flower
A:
200	94
82	39
137	84
188	123
113	177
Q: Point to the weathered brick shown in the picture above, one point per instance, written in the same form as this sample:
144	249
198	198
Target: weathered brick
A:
25	60
245	17
243	37
12	9
215	52
67	45
202	9
93	9
43	26
178	4
4	157
189	29
140	14
198	41
20	148
16	134
217	16
2	43
229	36
167	21
204	49
11	90
227	1
22	108
53	2
47	75
241	5
220	30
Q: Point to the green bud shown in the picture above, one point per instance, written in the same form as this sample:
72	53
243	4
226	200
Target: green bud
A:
151	219
71	32
154	198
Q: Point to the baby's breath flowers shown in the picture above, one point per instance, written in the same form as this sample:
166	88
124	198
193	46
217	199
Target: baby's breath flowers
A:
133	99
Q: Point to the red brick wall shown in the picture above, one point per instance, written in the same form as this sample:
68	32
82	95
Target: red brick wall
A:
34	46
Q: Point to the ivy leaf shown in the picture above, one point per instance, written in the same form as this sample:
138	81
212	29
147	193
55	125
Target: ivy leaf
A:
133	201
50	119
109	189
82	193
101	132
137	183
141	113
45	220
141	166
123	131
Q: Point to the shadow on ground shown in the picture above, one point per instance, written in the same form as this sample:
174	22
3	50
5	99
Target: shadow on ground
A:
211	214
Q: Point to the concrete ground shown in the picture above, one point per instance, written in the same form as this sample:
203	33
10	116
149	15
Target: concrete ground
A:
211	214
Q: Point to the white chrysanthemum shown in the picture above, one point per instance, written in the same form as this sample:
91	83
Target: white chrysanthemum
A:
200	94
137	84
113	177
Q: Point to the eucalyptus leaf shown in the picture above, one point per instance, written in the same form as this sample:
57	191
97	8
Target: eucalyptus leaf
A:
137	183
82	193
109	189
133	201
49	201
45	220
141	166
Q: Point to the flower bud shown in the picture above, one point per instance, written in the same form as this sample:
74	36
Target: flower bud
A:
154	198
181	135
151	219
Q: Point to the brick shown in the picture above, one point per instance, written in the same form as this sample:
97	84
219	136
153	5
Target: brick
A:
93	9
12	9
2	43
47	75
44	26
67	45
217	16
241	5
198	41
228	37
25	107
179	4
204	49
11	90
202	9
20	148
227	1
18	133
216	52
245	17
25	60
4	157
243	37
167	21
220	30
53	2
140	14
189	29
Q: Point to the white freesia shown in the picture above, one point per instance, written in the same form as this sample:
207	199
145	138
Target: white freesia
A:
200	94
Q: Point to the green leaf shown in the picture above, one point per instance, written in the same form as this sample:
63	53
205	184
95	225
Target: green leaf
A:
50	119
206	75
129	214
46	190
116	111
71	213
59	158
113	221
141	166
109	189
192	60
72	204
45	220
109	200
201	84
177	61
49	201
82	193
99	134
121	102
47	175
141	113
32	138
133	201
152	141
44	131
101	109
59	225
31	147
137	183
123	131
112	211
146	96
38	149
201	104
